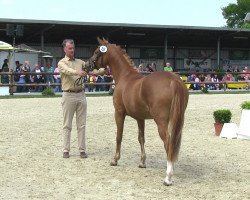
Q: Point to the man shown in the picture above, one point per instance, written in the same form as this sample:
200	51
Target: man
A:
5	77
49	69
168	67
37	78
5	64
247	75
73	97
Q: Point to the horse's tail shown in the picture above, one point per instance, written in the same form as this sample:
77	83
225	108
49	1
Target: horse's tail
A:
178	108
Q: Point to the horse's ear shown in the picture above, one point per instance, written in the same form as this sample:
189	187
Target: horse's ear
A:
100	40
105	41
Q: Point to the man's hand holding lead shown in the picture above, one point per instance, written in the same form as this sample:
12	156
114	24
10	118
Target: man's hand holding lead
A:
81	73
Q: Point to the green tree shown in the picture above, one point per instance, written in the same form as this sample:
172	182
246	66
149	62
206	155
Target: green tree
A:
235	14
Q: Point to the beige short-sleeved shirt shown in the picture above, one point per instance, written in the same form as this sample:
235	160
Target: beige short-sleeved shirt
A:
68	68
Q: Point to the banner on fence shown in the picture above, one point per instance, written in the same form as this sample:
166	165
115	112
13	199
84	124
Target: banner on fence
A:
197	63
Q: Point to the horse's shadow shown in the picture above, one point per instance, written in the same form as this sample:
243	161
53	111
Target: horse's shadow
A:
187	168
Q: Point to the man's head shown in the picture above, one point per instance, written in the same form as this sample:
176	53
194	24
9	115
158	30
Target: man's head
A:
37	66
48	64
167	64
18	63
69	48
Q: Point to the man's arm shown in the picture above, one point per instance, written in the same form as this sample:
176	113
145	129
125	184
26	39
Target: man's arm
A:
63	68
100	71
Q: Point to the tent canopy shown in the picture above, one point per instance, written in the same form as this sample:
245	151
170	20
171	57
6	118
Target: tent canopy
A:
20	48
5	46
26	48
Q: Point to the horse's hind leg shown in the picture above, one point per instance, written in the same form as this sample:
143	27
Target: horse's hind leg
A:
163	132
141	138
119	118
169	172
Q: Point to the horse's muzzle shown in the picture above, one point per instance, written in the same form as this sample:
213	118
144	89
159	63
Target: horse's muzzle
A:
89	66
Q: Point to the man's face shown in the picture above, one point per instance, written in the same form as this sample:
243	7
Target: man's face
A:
69	50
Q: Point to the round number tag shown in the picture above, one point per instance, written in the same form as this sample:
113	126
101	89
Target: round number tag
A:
103	49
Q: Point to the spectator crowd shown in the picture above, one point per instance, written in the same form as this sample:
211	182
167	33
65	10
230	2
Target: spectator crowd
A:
211	81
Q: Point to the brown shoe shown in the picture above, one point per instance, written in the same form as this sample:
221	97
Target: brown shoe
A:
65	154
83	155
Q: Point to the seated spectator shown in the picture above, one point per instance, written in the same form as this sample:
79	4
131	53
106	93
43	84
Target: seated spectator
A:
100	79
236	76
228	77
190	78
38	78
141	67
208	78
229	68
107	79
153	65
49	69
246	75
26	68
92	79
18	69
236	69
168	67
196	86
216	80
148	68
21	81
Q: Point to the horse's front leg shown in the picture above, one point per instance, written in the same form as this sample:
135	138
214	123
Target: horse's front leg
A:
119	118
141	139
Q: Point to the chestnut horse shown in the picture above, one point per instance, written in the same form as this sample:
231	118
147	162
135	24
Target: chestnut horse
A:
161	96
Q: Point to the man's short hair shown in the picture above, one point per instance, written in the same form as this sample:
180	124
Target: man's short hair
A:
67	41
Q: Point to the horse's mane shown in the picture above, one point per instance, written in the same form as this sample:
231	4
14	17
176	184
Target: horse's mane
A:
126	56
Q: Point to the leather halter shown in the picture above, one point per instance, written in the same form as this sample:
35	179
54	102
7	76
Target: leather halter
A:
91	66
98	56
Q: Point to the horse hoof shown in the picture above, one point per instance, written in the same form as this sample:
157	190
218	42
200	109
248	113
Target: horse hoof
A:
168	183
142	166
113	163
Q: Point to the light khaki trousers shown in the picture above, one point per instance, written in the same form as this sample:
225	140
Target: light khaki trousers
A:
74	103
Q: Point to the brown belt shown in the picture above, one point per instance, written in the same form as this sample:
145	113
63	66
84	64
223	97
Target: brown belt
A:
72	91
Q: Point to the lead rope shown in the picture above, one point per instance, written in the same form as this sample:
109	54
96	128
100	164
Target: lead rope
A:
80	81
91	66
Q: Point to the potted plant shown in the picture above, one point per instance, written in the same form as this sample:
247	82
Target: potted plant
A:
221	116
245	105
244	128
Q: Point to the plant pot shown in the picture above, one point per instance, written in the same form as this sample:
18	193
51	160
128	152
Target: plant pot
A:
218	127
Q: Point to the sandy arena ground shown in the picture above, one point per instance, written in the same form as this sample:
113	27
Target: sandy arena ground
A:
32	166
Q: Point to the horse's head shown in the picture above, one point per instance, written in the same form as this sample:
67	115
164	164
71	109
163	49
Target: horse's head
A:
99	58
